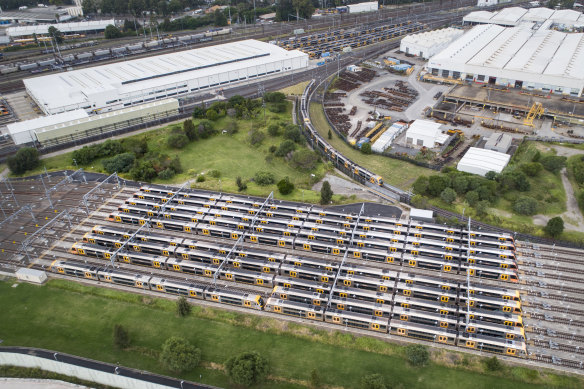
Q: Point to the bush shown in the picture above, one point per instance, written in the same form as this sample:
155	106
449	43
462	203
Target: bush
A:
177	141
241	185
373	381
460	184
143	171
277	107
85	155
214	173
274	97
286	147
273	149
436	184
264	178
112	32
166	174
553	163
293	133
417	355
256	137
554	227
121	337
137	147
200	178
190	130
120	163
532	169
448	195
179	355
183	308
421	184
274	130
247	369
482	207
366	148
304	159
199	112
211	114
285	186
525	205
205	129
492	364
109	148
329	134
26	158
326	193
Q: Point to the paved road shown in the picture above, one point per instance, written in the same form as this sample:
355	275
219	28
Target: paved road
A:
20	383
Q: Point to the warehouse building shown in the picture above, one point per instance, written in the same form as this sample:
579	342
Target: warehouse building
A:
65	28
123	84
481	161
514	16
363	7
425	133
427	44
499	142
528	57
387	138
76	125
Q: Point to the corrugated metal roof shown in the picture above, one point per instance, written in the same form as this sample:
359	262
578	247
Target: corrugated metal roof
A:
481	161
43	29
45	121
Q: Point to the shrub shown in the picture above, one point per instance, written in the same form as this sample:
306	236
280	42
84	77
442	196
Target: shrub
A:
137	147
460	184
293	133
199	112
525	205
277	107
285	186
110	148
436	184
120	163
247	369
373	381
274	97
326	193
554	227
273	149
26	158
166	174
264	178
143	171
177	141
492	364
190	130
553	163
285	147
304	159
112	32
85	155
482	207
121	337
183	308
532	169
200	178
179	355
205	129
329	134
366	148
274	130
241	185
448	195
211	114
256	137
417	354
214	173
421	184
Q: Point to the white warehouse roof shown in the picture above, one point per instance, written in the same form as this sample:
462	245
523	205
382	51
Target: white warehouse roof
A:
481	161
425	128
513	16
21	132
43	29
120	84
426	44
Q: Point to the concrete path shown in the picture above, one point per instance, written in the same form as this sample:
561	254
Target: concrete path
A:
345	187
29	383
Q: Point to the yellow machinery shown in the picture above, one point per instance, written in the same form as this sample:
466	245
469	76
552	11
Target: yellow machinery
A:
535	112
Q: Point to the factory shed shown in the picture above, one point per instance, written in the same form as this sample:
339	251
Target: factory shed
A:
426	44
119	85
425	133
481	161
499	142
31	275
388	137
65	28
363	7
25	132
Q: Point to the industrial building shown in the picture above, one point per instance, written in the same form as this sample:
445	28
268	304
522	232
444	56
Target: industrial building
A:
527	56
74	125
363	7
425	133
514	16
426	44
65	28
123	84
48	14
499	142
386	139
481	161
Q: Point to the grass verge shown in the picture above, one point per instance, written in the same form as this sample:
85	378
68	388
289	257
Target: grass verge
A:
69	317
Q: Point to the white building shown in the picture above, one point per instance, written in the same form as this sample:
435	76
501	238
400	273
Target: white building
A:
425	133
31	275
363	7
499	142
518	57
118	85
386	139
24	132
513	16
426	44
481	161
65	28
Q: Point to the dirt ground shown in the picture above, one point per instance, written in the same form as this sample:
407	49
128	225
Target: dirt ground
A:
345	187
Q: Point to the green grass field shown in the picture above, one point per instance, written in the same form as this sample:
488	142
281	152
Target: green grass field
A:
395	172
68	317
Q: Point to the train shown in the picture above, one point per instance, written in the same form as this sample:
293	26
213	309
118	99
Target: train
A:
129	49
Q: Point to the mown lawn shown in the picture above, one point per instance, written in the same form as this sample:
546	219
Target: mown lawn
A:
67	317
394	172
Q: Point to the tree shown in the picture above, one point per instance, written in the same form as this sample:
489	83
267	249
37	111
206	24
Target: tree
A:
329	134
366	148
448	195
136	7
274	97
205	129
143	171
183	308
256	137
199	112
175	6
212	114
421	184
553	163
189	130
293	133
177	141
492	364
55	34
285	147
264	178
248	368
241	185
554	227
121	337
179	355
532	169
285	186
274	129
482	207
491	175
436	184
304	159
88	7
315	380
26	158
373	381
471	197
417	354
460	184
121	163
112	32
326	193
525	205
220	18
304	8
